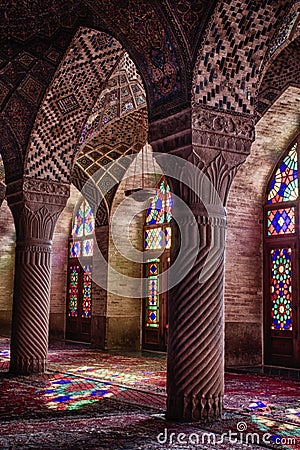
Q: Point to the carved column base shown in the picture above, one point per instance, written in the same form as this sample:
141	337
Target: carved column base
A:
26	365
194	407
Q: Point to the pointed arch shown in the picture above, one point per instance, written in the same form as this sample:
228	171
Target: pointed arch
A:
281	266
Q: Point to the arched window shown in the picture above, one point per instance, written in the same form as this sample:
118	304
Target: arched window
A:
79	301
281	248
157	235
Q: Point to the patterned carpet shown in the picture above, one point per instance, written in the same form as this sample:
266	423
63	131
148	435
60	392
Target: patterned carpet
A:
91	399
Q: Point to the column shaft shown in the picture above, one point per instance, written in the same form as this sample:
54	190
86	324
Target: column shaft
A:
196	335
36	206
29	340
216	144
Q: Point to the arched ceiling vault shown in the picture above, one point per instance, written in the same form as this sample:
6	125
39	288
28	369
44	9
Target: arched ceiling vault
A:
281	62
284	71
116	127
162	37
88	64
232	58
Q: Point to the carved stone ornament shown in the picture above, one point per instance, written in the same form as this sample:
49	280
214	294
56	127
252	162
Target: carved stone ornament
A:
223	130
36	206
38	191
47	187
195	349
219	166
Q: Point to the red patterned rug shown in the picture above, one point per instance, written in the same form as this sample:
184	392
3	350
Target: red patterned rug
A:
82	383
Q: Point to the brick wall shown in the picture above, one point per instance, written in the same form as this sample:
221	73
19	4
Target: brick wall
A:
124	312
7	262
244	264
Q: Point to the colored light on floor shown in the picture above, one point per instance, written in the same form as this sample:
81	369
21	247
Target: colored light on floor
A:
70	393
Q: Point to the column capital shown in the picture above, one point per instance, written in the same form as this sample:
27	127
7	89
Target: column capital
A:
36	206
216	142
34	191
221	143
223	131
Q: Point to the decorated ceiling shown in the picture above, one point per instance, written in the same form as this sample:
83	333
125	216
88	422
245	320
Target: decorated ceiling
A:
116	127
67	74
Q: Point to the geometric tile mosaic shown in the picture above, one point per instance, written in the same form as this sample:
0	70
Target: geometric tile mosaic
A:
283	71
26	59
25	72
151	36
3	92
67	104
84	69
192	16
116	139
228	68
32	89
122	94
165	44
283	32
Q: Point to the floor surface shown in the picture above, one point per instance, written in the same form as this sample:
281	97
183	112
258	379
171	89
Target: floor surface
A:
90	399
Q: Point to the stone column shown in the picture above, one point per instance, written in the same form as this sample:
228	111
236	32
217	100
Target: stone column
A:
216	144
2	192
36	206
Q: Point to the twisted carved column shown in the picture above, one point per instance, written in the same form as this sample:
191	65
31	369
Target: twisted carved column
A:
195	352
2	192
35	205
216	144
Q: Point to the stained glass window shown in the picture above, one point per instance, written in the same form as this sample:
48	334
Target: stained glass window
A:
281	289
83	224
160	209
281	221
157	235
168	237
281	247
88	247
284	184
81	245
73	291
75	249
87	291
152	306
82	242
153	238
